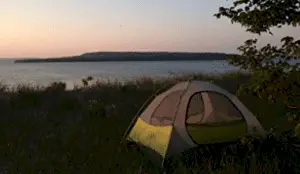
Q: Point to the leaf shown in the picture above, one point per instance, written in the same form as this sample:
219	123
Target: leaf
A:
217	15
247	8
260	15
272	75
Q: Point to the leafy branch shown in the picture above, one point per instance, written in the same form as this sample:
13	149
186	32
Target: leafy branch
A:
273	76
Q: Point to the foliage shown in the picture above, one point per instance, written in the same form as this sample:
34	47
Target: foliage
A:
79	131
273	76
85	81
260	15
57	86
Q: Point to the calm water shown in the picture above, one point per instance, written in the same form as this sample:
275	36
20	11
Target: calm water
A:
72	73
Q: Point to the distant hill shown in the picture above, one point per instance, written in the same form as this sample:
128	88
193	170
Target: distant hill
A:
130	56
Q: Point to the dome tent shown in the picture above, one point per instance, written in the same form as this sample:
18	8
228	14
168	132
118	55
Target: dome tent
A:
188	114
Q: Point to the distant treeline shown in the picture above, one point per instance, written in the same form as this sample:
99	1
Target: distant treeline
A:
131	56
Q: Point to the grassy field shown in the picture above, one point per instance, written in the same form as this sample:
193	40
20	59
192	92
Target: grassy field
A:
51	130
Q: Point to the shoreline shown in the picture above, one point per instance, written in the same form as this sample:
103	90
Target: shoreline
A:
91	61
73	84
130	56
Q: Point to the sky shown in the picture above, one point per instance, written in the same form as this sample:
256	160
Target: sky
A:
51	28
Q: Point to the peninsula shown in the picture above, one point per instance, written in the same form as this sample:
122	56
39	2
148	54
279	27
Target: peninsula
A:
130	56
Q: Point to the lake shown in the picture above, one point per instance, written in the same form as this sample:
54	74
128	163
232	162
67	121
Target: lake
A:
72	73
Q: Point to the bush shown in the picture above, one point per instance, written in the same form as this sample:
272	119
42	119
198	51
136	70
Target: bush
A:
53	130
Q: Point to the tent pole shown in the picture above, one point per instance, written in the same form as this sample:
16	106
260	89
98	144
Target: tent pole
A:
173	120
134	119
137	114
183	93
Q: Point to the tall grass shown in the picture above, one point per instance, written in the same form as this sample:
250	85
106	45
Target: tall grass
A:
52	130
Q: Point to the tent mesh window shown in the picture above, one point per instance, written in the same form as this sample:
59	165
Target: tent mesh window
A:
195	110
223	110
166	110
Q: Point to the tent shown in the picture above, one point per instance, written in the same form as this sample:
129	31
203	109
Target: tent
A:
191	113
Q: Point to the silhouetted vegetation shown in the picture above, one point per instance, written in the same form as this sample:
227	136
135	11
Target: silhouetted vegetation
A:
51	130
273	77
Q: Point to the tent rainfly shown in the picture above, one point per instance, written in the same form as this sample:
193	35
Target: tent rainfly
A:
188	114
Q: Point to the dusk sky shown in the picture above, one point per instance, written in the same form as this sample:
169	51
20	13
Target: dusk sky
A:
45	28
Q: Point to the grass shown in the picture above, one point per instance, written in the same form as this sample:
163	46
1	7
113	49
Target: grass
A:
51	130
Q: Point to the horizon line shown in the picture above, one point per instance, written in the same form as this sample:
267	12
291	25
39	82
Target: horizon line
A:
43	57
